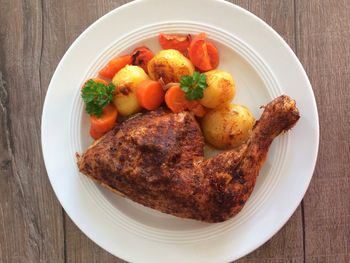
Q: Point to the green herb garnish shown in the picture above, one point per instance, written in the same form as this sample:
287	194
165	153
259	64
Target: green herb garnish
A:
97	96
194	85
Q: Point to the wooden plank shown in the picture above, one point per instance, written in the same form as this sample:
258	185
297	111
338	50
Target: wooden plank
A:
323	42
242	3
287	244
80	249
31	223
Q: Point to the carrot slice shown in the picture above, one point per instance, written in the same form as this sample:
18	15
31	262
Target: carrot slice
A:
95	134
203	54
196	108
106	121
178	42
175	99
98	80
198	53
213	55
150	94
141	56
114	66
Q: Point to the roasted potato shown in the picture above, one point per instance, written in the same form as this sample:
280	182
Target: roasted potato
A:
221	89
227	126
126	81
170	65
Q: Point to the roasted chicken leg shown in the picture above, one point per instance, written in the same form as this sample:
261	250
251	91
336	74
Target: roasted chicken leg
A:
156	159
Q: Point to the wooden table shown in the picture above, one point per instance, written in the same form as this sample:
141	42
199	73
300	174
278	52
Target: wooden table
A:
35	34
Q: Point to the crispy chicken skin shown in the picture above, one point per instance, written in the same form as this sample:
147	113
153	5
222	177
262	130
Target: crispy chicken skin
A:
156	159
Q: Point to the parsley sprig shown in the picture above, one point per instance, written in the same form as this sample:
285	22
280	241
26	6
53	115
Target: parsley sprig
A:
97	96
194	85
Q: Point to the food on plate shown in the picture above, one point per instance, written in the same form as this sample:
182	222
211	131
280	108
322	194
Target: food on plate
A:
126	82
178	42
156	159
169	66
221	89
194	85
141	56
203	54
114	66
186	95
106	121
175	99
228	126
150	94
99	80
97	95
95	134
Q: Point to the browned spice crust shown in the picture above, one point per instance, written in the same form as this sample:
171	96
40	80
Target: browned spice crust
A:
156	159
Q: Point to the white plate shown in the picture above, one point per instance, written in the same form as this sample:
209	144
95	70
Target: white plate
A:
263	66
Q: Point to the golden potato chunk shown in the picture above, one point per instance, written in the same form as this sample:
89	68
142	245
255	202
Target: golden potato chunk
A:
170	65
228	126
126	81
221	89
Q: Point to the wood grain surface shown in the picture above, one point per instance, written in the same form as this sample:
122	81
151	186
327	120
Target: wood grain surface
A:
34	35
